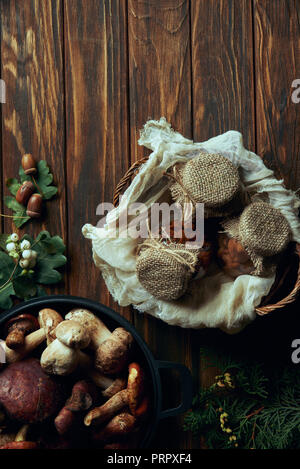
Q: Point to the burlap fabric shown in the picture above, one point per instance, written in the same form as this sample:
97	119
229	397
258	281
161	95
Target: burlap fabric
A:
264	232
211	179
164	269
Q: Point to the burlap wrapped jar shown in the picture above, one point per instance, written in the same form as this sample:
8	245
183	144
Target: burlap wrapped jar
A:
165	269
264	232
211	179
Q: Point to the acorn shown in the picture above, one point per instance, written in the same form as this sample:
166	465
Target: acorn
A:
28	164
34	206
24	192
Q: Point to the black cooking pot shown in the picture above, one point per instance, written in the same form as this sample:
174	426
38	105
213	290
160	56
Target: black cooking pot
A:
63	304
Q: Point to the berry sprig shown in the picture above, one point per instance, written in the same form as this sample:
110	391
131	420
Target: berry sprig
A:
26	264
22	252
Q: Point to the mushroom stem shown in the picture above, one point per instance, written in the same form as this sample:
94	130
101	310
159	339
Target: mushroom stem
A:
22	433
31	342
108	410
109	386
121	424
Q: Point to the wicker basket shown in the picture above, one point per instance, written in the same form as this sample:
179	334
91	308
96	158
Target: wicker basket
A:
287	271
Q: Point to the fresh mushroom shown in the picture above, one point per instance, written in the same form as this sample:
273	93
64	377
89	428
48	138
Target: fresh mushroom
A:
120	425
27	394
58	359
111	348
63	355
48	320
109	386
84	395
132	397
18	327
73	334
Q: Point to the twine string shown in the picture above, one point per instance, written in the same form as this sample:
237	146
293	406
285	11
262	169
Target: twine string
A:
177	254
177	178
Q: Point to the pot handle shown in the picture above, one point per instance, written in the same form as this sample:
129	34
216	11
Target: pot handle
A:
186	381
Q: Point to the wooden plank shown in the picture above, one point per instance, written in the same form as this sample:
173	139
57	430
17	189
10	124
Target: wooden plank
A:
277	52
222	63
160	85
223	99
96	126
33	116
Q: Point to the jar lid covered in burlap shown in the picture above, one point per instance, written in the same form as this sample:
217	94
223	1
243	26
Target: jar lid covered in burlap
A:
263	231
208	178
164	269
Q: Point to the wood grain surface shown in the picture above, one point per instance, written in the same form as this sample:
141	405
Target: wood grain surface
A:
83	76
277	63
33	118
160	85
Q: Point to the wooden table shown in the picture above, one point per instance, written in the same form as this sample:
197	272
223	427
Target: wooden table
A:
82	78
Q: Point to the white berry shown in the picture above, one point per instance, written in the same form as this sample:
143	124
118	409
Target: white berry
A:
34	254
10	247
24	263
25	245
26	254
14	237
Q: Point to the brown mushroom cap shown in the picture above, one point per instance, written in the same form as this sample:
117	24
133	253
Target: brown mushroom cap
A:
18	327
113	354
27	393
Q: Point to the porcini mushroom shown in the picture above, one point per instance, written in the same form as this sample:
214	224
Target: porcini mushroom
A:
109	386
63	355
73	334
48	320
111	348
27	394
132	396
120	425
58	359
83	396
18	327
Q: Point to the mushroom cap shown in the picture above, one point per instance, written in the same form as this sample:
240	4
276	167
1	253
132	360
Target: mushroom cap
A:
28	394
19	326
98	331
26	322
49	320
73	334
113	354
58	359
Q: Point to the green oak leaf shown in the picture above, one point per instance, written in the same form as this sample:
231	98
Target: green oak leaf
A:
50	257
3	241
7	266
24	287
13	186
43	179
18	209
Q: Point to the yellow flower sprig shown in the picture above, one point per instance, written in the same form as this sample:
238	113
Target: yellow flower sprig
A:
226	428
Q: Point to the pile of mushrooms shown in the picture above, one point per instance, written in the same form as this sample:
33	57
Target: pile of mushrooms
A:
82	381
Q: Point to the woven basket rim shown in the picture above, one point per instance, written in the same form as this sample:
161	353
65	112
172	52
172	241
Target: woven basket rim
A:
260	310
